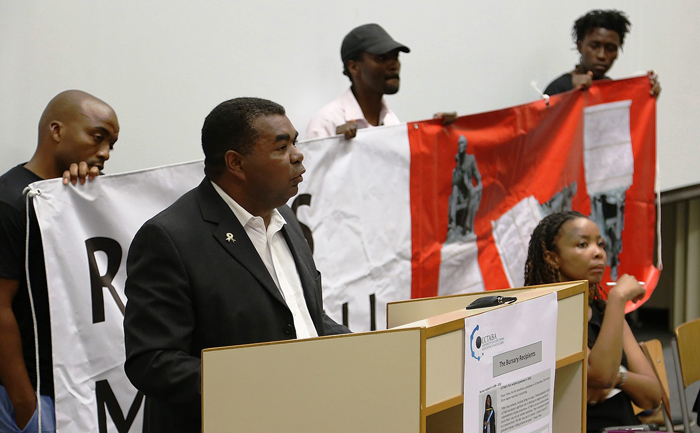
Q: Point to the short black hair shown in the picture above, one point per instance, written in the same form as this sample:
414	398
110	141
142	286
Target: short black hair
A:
229	126
611	19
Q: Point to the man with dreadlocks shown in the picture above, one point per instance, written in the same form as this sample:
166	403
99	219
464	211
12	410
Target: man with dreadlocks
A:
599	36
567	246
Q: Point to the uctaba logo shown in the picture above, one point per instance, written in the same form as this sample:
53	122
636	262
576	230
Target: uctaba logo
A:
479	342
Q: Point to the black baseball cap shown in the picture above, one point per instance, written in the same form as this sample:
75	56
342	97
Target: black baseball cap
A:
371	38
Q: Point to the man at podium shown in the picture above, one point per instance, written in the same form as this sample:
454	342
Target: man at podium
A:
226	264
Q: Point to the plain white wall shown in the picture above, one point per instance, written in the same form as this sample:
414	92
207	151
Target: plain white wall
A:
163	64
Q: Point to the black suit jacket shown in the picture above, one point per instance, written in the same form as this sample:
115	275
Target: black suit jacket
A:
188	289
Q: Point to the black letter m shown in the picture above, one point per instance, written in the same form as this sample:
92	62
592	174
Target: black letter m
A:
106	398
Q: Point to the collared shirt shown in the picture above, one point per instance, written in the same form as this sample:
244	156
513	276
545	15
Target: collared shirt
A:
343	110
275	253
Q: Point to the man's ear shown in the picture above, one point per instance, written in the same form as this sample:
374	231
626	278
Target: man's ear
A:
234	163
56	130
353	67
579	46
551	259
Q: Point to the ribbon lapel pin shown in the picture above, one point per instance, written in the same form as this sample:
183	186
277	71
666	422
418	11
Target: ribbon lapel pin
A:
229	238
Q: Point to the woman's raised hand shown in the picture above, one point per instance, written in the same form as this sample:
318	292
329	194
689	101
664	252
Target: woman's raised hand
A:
627	288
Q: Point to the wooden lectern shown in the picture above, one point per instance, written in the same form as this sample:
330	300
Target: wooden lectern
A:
443	318
408	378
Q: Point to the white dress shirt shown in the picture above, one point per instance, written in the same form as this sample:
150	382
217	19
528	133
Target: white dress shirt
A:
343	110
273	250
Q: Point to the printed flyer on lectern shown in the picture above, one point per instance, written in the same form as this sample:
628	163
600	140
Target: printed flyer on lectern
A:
510	360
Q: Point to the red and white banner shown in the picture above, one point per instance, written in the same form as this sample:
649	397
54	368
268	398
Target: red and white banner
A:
472	193
406	211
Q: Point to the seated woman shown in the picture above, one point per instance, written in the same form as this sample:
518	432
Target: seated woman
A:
567	246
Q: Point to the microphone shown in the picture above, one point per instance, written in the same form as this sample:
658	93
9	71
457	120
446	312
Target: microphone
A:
491	301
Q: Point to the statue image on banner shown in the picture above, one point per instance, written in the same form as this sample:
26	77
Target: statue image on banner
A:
466	195
459	265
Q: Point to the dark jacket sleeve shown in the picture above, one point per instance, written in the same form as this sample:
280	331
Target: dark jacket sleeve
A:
158	362
332	327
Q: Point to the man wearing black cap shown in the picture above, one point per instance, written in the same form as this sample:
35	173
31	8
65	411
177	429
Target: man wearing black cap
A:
371	61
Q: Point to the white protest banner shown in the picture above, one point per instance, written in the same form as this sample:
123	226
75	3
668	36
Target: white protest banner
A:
86	231
355	199
397	212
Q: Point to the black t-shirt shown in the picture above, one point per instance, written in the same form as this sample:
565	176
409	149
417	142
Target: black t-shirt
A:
563	84
13	225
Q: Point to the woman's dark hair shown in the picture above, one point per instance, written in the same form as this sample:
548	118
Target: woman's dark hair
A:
488	403
537	270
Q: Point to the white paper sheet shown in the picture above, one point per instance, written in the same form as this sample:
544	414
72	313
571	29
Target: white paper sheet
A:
510	358
608	157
